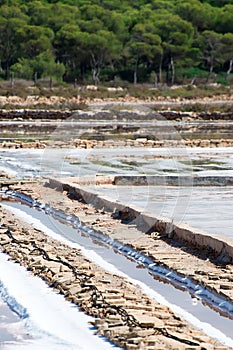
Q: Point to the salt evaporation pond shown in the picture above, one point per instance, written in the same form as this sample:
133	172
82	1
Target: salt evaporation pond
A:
207	208
148	161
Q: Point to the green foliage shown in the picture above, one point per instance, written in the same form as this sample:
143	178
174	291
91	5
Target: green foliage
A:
202	16
103	40
42	66
224	22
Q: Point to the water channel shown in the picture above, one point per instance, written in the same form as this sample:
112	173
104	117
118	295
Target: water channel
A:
177	297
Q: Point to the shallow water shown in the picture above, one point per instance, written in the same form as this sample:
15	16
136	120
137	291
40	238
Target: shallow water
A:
12	327
142	161
205	208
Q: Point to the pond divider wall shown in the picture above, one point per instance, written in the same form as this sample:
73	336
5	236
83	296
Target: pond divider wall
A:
154	180
221	247
172	180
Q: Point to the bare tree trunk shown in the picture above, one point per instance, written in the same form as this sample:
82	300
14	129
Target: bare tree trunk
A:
7	70
194	80
209	74
51	83
211	69
173	71
160	70
95	76
135	74
229	69
35	79
95	64
167	74
156	81
12	80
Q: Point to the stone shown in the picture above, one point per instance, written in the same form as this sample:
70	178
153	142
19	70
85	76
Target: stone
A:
145	332
5	240
113	290
75	289
112	296
106	281
130	296
207	346
135	340
149	321
3	230
152	340
115	323
69	277
118	330
119	301
63	268
84	266
162	315
226	285
50	264
140	307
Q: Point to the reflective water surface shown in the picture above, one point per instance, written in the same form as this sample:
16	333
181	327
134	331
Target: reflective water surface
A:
204	207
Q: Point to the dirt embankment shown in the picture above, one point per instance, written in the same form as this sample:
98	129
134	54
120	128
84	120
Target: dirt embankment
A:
53	101
127	113
116	124
121	311
141	142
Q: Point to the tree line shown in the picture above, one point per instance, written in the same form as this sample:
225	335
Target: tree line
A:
156	41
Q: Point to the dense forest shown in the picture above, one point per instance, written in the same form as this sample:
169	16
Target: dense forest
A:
157	41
